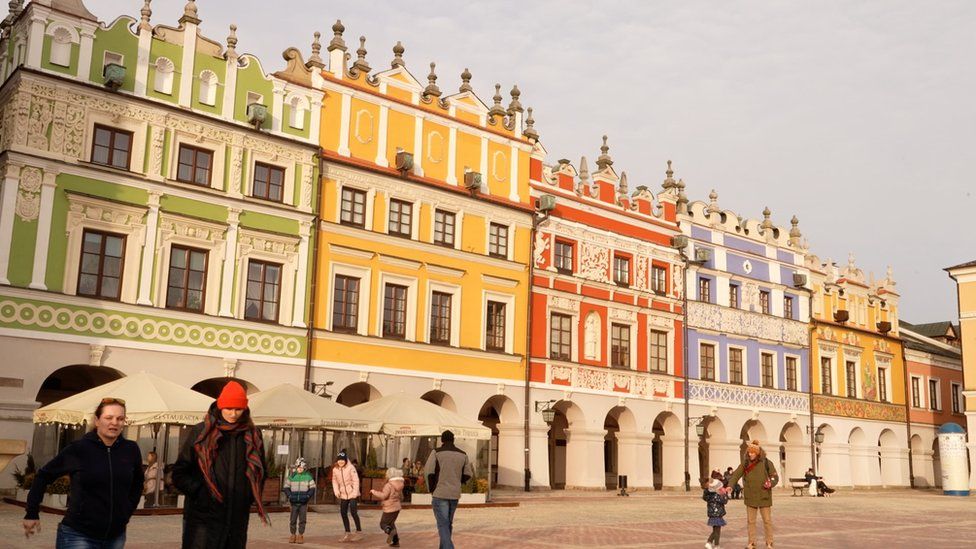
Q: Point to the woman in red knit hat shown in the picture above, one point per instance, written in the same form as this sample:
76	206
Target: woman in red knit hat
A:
221	472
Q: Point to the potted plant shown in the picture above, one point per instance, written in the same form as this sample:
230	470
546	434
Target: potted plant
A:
24	479
470	491
421	495
57	493
373	479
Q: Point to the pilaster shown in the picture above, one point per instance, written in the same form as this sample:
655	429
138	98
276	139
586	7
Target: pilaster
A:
383	129
298	312
8	201
149	250
418	145
48	187
345	113
187	71
584	459
452	155
230	263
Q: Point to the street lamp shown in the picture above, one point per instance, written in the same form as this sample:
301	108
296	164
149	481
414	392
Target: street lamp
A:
545	407
699	422
322	389
819	437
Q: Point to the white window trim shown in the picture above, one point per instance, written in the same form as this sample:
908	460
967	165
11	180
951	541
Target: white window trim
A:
137	152
937	397
510	241
956	388
715	346
669	334
776	379
215	257
289	266
922	390
364	275
253	97
415	206
458	217
106	53
832	356
886	368
728	363
73	39
370	203
455	291
798	377
215	147
509	301
287	184
632	352
410	329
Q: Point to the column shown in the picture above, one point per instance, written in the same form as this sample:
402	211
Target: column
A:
85	52
513	193
584	459
8	200
452	155
149	251
277	104
511	455
48	186
835	465
187	69
418	145
672	462
142	60
924	467
483	165
722	454
634	459
344	115
316	119
230	88
298	312
36	40
864	466
894	467
797	461
230	262
382	130
538	457
970	429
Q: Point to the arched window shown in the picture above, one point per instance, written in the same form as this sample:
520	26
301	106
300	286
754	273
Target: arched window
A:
165	70
296	117
61	40
208	87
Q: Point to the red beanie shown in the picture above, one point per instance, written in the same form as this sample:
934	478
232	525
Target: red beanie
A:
232	396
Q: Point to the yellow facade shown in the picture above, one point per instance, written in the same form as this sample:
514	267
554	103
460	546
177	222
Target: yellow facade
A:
965	277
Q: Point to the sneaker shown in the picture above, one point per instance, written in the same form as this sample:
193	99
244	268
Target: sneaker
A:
708	545
291	539
300	539
345	538
389	538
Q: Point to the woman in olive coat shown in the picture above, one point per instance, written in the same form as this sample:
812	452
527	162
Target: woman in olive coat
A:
759	477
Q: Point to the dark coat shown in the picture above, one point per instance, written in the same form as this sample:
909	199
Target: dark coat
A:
752	483
209	524
106	484
716	503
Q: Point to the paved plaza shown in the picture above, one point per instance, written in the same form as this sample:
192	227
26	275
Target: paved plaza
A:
864	520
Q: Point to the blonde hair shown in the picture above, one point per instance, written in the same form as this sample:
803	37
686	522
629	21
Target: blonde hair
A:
393	472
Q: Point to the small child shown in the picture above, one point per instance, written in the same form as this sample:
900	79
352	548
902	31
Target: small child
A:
716	496
391	496
299	489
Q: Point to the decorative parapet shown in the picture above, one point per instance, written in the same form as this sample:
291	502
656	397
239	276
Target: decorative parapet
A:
66	318
611	380
860	409
744	395
727	320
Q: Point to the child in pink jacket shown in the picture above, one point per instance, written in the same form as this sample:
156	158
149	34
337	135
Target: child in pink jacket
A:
391	496
345	485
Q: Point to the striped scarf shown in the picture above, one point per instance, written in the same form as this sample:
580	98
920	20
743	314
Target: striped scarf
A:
206	448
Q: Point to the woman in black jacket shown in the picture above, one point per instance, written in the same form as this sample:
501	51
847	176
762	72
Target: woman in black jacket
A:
106	483
221	472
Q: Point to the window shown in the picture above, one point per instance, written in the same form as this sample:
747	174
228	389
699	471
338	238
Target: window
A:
620	346
444	228
883	384
345	304
401	216
269	182
659	351
263	291
707	354
395	311
734	296
764	301
194	166
791	373
735	366
185	288
621	270
788	307
916	393
495	326
498	240
101	265
659	280
851	370
353	207
111	147
955	395
560	337
766	361
705	290
440	318
934	395
826	381
564	257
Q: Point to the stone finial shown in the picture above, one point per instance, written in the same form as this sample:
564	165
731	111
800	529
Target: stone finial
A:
465	81
530	132
767	222
515	106
604	161
713	203
669	182
584	176
190	14
622	186
316	59
398	50
17	6
496	108
432	90
231	52
850	261
682	197
337	42
146	14
889	280
361	65
795	233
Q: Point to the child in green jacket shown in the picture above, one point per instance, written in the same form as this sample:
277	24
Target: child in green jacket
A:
299	489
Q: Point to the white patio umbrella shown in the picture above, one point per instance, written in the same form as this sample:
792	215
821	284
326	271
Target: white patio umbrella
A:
287	405
149	399
405	416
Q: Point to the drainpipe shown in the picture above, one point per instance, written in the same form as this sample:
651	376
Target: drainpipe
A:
536	221
813	429
908	418
684	345
309	334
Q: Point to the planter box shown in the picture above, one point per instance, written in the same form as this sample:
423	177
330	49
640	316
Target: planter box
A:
272	491
22	494
473	498
180	500
425	499
58	501
420	499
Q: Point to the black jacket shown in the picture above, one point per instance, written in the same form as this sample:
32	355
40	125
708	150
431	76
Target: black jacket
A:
716	503
106	484
210	524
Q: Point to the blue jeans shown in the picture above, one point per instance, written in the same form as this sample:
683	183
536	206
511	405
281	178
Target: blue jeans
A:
444	514
69	538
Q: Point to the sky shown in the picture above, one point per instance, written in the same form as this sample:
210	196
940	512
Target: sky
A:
857	117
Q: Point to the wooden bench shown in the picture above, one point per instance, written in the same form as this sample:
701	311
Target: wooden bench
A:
799	485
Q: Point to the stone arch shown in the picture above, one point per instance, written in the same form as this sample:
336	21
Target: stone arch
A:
568	414
936	463
500	414
357	393
923	461
208	87
753	430
212	387
857	437
441	399
713	450
890	458
667	449
619	420
795	450
829	433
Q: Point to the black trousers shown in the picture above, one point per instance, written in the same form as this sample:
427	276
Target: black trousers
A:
347	506
713	538
388	523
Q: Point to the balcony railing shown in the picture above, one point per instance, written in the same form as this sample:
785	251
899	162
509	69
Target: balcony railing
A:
860	409
728	320
746	395
612	380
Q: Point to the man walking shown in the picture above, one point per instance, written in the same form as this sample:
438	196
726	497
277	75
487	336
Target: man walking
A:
447	470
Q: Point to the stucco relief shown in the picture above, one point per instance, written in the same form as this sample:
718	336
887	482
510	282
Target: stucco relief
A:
564	303
735	321
677	286
591	337
753	397
640	276
156	151
750	297
602	379
306	186
28	204
622	314
542	241
594	262
845	407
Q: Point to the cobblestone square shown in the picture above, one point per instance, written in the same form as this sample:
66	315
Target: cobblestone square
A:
868	519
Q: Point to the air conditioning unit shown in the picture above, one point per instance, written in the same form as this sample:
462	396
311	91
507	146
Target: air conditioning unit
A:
841	316
404	161
472	180
679	242
702	255
799	280
256	114
546	203
884	327
114	75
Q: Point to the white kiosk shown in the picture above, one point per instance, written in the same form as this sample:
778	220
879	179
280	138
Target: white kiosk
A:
955	465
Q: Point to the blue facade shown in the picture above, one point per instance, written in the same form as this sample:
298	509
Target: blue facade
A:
751	357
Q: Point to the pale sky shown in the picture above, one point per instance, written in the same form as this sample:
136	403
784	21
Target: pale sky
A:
858	117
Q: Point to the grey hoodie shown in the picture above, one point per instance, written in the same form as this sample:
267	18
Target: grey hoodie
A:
447	470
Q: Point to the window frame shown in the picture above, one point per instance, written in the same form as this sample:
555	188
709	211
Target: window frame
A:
734	296
488	333
453	225
791	367
448	318
621	277
498	237
764	304
916	392
196	150
935	394
354	193
345	328
111	149
558	258
654	346
767	380
705	283
620	347
788	307
203	289
710	356
271	169
406	306
659	287
742	366
278	305
955	397
826	381
850	378
882	384
565	339
101	264
404	209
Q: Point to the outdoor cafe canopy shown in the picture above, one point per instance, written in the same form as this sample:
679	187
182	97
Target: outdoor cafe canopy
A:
405	416
148	399
287	405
